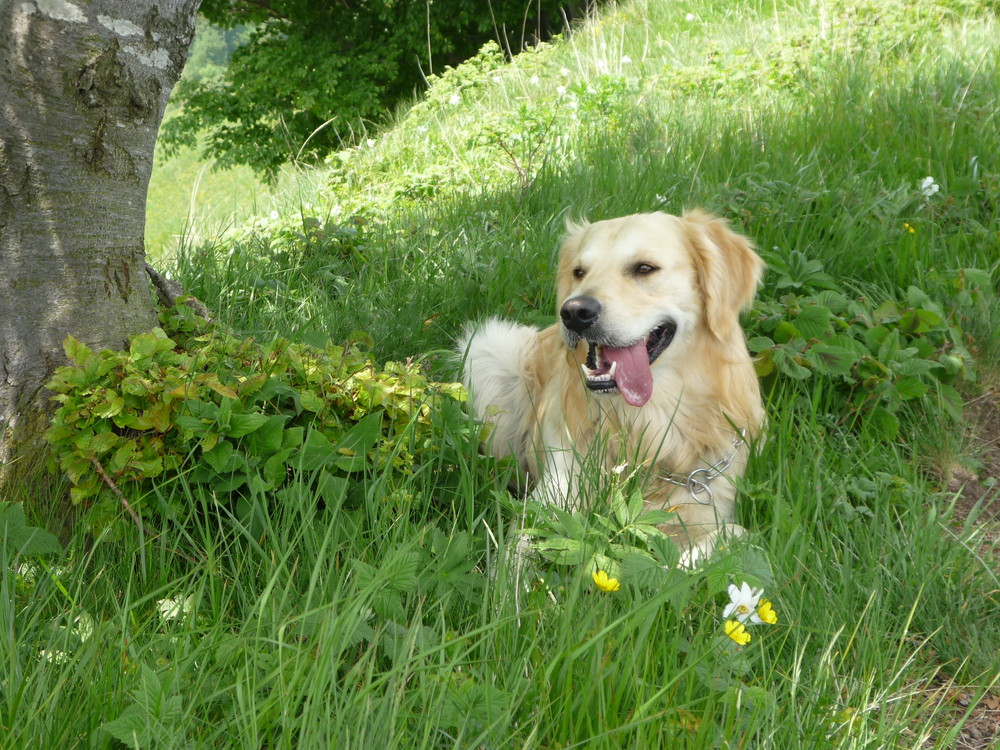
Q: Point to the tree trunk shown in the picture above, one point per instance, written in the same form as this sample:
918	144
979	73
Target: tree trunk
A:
83	86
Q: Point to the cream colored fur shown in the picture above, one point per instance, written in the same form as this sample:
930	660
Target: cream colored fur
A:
529	384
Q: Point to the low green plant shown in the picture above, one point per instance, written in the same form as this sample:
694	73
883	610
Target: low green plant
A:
18	539
911	350
237	417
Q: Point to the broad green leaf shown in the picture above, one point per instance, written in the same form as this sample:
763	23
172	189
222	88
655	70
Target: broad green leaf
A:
884	422
914	366
132	728
223	390
763	364
887	312
665	551
123	456
643	570
292	437
145	345
311	402
241	425
759	344
268	438
316	452
910	387
357	442
756	568
111	406
330	489
77	352
562	551
916	297
787	364
656	517
399	571
220	456
21	539
835	301
620	506
159	415
813	322
919	321
103	442
831	360
785	332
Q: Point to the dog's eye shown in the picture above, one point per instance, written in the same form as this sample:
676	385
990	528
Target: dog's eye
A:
642	269
579	273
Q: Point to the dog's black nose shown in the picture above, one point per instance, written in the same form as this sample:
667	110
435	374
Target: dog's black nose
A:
579	313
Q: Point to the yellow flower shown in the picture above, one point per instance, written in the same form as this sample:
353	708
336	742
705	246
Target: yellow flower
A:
604	582
766	613
909	228
737	631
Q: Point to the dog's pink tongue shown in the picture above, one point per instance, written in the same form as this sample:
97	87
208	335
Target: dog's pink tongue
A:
633	376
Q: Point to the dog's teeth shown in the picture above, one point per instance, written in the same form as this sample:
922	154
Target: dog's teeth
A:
587	372
614	366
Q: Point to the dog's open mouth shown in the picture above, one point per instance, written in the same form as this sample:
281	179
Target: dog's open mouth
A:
626	369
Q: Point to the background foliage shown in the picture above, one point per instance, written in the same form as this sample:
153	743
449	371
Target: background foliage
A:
314	76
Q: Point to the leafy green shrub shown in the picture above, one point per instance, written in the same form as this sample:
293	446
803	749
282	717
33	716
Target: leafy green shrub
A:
239	418
911	350
312	75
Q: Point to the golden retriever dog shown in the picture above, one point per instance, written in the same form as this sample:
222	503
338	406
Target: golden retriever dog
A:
648	365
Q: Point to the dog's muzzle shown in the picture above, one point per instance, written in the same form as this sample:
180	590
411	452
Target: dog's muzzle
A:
614	367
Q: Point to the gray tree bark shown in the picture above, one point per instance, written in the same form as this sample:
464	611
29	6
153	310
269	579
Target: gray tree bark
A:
83	87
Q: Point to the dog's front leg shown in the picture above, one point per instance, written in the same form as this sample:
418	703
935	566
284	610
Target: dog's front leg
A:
555	486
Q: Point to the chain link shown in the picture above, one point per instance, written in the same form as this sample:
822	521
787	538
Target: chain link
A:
697	482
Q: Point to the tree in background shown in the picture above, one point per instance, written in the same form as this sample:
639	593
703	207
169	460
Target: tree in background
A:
314	73
83	87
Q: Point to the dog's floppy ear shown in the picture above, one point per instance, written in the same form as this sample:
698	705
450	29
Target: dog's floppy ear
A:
727	266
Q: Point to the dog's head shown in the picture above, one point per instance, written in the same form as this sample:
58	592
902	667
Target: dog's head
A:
637	288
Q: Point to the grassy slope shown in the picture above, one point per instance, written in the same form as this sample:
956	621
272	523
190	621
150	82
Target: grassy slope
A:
185	192
811	126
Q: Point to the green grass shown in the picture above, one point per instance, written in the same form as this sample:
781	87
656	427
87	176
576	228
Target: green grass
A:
187	196
386	620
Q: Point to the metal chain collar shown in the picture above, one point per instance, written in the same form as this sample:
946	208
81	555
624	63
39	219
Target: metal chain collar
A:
697	482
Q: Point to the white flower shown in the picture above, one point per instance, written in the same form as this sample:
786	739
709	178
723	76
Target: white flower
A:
455	99
626	59
742	602
564	72
561	90
173	609
534	80
275	216
56	656
689	17
928	187
84	626
370	142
